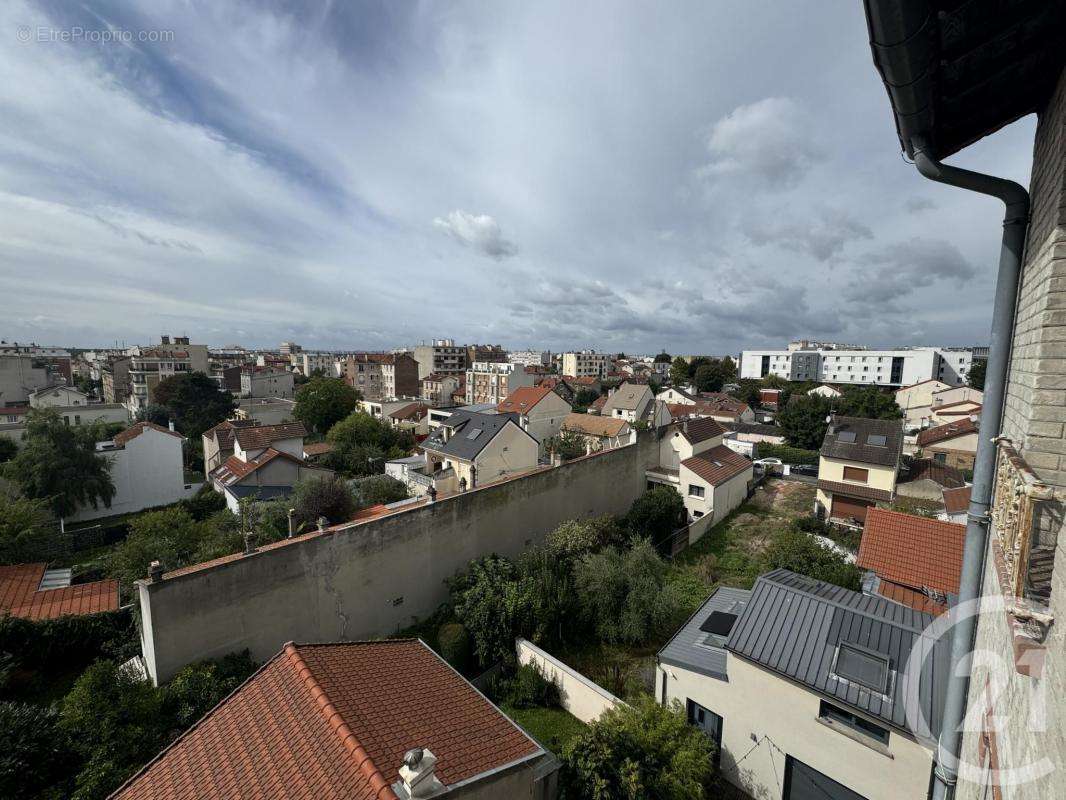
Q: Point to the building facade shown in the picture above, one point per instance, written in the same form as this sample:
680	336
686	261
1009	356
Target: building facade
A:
442	356
586	364
493	381
902	367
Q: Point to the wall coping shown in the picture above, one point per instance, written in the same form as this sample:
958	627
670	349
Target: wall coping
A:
525	644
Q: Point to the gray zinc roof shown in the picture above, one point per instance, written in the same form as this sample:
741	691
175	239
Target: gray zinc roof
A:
701	651
793	625
465	442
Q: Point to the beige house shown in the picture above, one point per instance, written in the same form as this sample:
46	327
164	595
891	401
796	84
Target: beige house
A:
916	402
857	467
599	433
953	444
804	688
540	411
957	393
713	483
438	388
630	401
469	449
954	412
58	397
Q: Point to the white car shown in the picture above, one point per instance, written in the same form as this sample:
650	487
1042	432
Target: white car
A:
769	462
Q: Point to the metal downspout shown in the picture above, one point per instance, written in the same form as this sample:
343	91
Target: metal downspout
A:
1015	224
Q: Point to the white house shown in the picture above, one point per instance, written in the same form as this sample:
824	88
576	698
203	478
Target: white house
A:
631	402
58	397
147	469
540	411
469	449
825	391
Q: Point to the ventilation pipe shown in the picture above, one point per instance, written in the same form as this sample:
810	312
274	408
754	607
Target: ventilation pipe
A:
1015	224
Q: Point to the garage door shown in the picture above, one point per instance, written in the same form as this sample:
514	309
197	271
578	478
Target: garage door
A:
849	508
806	783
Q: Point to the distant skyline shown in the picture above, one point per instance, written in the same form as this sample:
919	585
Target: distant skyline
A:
619	175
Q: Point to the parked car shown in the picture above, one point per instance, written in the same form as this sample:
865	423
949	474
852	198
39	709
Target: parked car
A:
769	462
804	469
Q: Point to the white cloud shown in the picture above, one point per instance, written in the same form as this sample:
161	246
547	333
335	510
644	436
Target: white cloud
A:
479	231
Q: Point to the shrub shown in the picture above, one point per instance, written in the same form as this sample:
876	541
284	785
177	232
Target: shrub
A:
69	641
797	551
454	643
528	688
33	754
788	455
377	489
322	496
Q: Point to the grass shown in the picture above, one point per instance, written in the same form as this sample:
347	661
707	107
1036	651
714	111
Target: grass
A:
914	505
552	727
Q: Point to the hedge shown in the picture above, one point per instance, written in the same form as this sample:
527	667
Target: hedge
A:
788	455
69	640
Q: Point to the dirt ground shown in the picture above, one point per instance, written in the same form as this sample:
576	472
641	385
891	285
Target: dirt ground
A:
785	497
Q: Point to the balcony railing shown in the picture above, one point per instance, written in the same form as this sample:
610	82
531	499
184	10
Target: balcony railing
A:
1014	504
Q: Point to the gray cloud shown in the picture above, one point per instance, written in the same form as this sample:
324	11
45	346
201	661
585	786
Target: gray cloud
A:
479	231
821	238
916	204
889	276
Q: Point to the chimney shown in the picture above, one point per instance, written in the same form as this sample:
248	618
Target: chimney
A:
417	778
155	571
164	340
170	424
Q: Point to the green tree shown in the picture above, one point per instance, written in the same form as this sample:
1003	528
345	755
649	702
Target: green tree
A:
361	443
640	751
8	449
804	420
657	513
976	378
567	444
201	686
579	537
729	369
154	413
624	593
322	496
323	402
679	372
749	391
491	603
33	751
869	402
28	529
378	490
797	551
710	377
583	399
59	463
195	402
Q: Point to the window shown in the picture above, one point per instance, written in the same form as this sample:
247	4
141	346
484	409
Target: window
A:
695	491
877	440
847	437
862	666
856	474
708	722
940	458
835	715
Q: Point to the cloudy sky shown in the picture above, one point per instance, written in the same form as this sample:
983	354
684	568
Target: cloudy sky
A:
700	177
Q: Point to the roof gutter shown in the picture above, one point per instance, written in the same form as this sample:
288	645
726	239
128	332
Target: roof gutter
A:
1015	224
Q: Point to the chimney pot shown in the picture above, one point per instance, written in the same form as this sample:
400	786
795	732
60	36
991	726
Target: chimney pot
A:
155	571
417	775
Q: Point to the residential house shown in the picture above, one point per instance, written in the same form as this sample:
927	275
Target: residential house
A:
21	374
577	383
267	462
926	479
437	388
442	357
493	381
540	411
411	417
399	376
268	411
914	561
217	442
857	466
630	402
469	449
13	418
826	391
771	398
585	364
58	396
956	504
34	592
916	402
148	367
492	353
718	405
260	382
147	469
805	687
560	386
957	393
381	720
382	376
954	412
599	433
953	444
115	379
753	432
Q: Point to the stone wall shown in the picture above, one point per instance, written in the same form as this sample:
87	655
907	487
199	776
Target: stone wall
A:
373	578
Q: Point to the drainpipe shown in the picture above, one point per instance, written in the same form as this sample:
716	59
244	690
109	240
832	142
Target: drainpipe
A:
1015	223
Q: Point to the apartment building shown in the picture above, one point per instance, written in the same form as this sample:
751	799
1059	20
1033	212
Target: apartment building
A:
381	376
21	374
399	376
485	352
861	367
438	389
493	381
442	356
289	348
149	366
259	382
115	379
530	358
586	364
308	363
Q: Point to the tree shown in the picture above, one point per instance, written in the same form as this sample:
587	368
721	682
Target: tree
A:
748	391
657	513
729	369
803	420
322	496
361	443
154	413
490	602
59	463
578	537
583	399
709	377
378	490
201	686
33	752
869	402
679	372
568	444
976	377
8	449
636	751
27	529
195	402
797	551
323	402
624	593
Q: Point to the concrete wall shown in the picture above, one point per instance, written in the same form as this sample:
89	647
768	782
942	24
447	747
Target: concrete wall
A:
373	578
511	450
580	696
756	703
731	494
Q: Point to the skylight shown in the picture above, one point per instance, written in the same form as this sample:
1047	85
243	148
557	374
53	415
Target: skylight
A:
846	436
474	433
877	440
719	623
865	667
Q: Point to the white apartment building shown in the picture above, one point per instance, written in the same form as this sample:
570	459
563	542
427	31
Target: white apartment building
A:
586	364
530	358
266	382
443	356
903	367
493	381
326	363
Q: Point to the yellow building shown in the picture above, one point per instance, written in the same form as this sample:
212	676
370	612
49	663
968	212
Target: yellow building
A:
857	466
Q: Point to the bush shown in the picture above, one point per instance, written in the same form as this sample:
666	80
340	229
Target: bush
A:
322	496
33	754
657	513
454	644
528	688
788	455
204	503
70	641
797	551
377	489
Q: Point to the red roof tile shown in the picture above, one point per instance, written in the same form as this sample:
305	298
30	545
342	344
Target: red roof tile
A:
260	436
20	595
523	399
956	501
410	411
332	722
917	552
717	465
854	490
919	601
135	430
318	448
942	433
701	429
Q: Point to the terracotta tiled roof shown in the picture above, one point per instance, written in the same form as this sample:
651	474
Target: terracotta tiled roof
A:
410	411
135	430
701	429
918	552
912	598
599	402
942	474
854	490
20	595
264	435
318	448
584	380
594	425
523	399
334	721
234	469
717	465
956	501
941	433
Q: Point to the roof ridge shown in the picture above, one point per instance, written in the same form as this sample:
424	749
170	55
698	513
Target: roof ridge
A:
333	717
